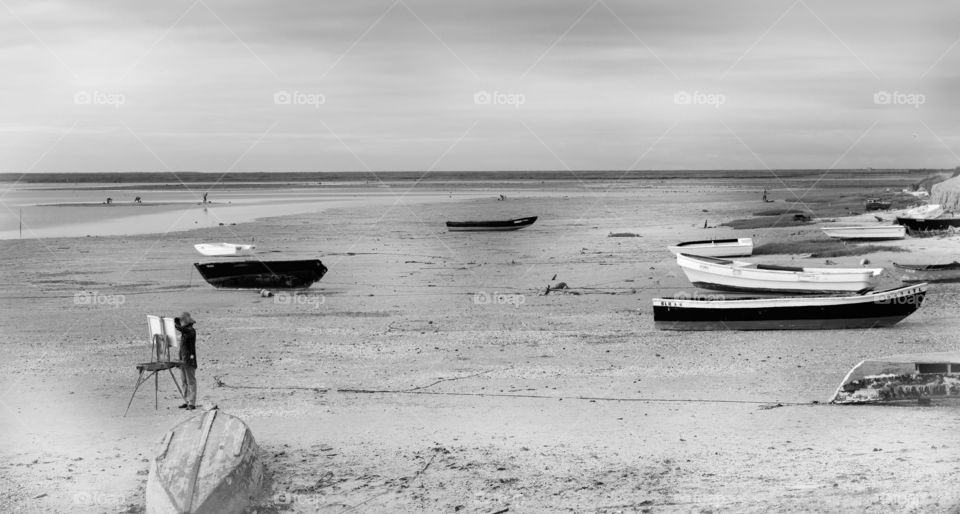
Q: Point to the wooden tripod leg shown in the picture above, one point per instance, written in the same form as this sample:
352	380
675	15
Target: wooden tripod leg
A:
139	376
156	391
174	377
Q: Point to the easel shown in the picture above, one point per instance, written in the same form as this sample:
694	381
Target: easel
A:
163	336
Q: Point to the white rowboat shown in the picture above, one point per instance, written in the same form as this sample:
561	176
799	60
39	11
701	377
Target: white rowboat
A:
223	249
742	247
873	232
724	275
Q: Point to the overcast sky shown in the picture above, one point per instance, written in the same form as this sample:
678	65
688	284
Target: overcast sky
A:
494	85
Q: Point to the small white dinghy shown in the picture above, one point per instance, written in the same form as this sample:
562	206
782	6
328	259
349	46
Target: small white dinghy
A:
871	232
742	247
224	249
208	464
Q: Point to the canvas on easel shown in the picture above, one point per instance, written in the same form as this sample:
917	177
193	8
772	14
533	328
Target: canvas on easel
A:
163	337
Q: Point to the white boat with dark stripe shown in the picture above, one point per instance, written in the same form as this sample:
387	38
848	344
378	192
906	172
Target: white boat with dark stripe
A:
742	247
867	232
871	310
726	275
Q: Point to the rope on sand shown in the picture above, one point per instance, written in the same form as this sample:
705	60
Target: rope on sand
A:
420	390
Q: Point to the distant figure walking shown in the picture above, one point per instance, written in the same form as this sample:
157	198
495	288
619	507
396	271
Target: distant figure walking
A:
204	197
502	197
109	200
188	359
137	200
764	195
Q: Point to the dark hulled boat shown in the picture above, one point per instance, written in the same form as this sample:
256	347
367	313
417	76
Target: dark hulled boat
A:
515	224
928	224
262	274
879	309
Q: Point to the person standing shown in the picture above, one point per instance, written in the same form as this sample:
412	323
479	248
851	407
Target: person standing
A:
188	359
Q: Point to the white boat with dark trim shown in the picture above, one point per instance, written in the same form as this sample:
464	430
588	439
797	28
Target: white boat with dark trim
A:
742	247
872	232
726	275
871	310
897	378
223	249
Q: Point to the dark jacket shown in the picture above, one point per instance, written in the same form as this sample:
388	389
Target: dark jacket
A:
188	345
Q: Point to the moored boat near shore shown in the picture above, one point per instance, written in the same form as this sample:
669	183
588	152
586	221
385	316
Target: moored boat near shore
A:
262	274
924	376
490	226
726	275
871	310
911	273
741	247
871	232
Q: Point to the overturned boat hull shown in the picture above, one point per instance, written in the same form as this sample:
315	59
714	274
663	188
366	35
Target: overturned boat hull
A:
879	309
208	464
262	274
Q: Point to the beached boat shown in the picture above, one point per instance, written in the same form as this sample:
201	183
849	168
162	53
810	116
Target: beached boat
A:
223	249
262	274
923	376
871	310
876	204
928	224
929	272
872	232
206	464
477	226
725	275
742	247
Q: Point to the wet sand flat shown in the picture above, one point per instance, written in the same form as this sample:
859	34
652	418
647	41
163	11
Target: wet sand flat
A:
428	371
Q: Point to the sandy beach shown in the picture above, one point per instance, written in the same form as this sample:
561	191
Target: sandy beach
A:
429	371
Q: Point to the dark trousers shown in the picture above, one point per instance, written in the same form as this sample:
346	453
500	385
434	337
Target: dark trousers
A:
189	374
